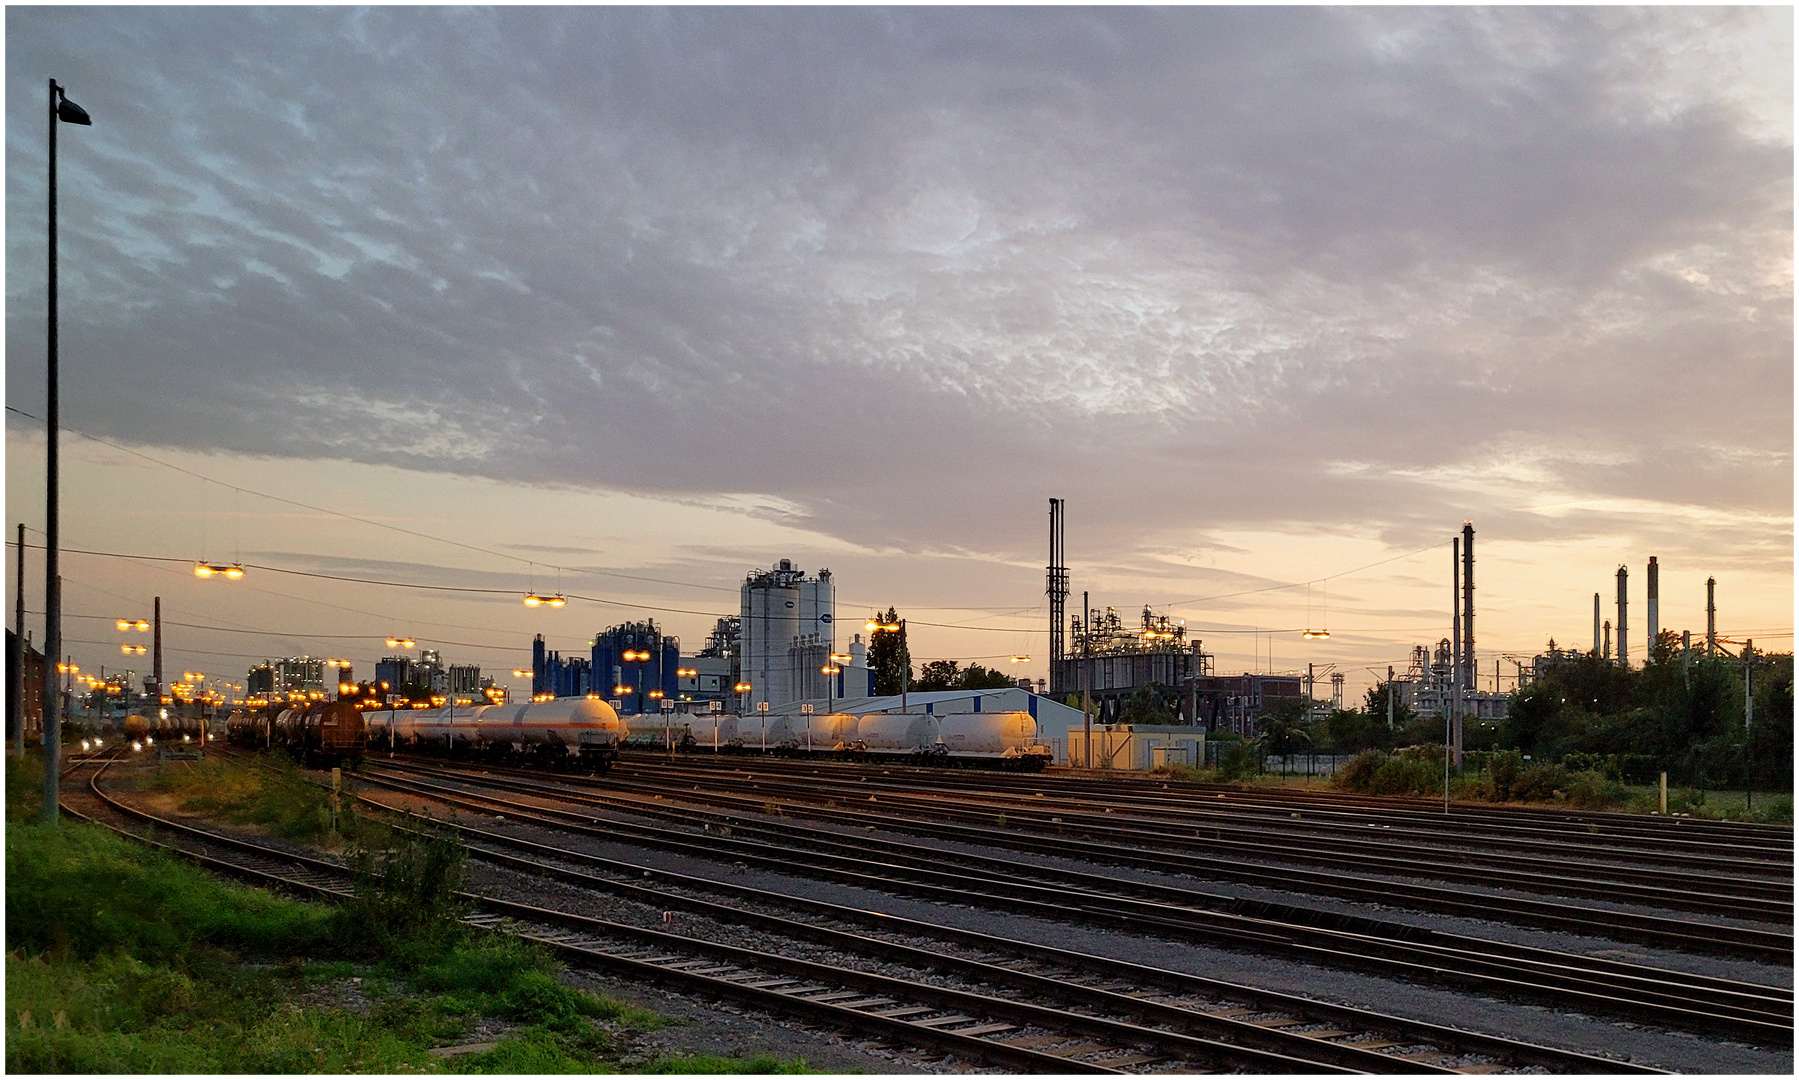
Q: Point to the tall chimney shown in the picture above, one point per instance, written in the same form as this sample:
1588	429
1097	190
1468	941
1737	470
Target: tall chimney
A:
1623	618
1057	589
1596	624
1655	624
1607	654
1711	616
1468	667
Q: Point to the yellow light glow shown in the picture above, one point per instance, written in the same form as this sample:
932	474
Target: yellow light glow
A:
234	571
202	570
556	601
532	600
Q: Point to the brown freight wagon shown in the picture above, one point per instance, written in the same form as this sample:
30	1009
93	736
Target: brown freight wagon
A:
324	733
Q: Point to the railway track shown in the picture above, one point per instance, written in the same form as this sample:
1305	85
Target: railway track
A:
1210	1007
977	1026
1594	865
748	815
1560	831
1756	1013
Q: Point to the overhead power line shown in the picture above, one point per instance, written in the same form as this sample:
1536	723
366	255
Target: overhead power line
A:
367	521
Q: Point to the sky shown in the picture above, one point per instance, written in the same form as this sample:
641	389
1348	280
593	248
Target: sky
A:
628	302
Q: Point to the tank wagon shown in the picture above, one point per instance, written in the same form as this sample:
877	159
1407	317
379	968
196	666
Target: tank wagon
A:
163	728
581	732
1003	740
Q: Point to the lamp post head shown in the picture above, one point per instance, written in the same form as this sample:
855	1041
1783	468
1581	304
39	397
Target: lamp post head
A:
69	112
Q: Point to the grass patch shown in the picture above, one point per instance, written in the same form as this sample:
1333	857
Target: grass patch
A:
275	794
123	959
714	1065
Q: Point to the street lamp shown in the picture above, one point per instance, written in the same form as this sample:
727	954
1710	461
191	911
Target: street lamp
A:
400	643
62	110
535	600
206	570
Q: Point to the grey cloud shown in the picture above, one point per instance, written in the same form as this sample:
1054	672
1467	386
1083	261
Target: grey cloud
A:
1170	264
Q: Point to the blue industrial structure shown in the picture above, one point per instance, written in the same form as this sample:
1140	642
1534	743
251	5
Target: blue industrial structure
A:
551	674
650	674
657	673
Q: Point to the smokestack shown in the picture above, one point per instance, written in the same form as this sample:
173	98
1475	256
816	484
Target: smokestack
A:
1057	590
1711	616
1596	624
1607	654
1468	668
1655	624
1623	617
156	654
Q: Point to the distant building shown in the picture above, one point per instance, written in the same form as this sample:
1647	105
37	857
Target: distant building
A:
649	674
553	676
31	710
463	678
1428	688
394	673
787	632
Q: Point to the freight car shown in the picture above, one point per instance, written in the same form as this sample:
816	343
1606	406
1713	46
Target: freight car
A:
581	732
323	733
163	727
1004	740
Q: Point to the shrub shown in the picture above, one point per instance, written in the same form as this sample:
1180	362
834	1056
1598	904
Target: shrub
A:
1503	769
1592	790
1372	772
408	894
1541	782
1238	760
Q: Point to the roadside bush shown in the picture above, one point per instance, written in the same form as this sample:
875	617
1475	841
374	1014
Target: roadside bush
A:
1592	790
407	895
1373	772
1541	782
1239	760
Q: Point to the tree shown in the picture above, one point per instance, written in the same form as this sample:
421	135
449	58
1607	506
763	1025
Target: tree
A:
976	677
1375	706
888	656
1148	705
939	675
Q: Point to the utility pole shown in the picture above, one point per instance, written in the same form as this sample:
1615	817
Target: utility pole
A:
1086	682
15	658
1389	697
1748	722
1453	716
1711	616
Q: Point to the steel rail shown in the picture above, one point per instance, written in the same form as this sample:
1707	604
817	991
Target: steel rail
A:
966	1039
1663	932
1428	956
1222	1025
1570	826
1741	897
1349	841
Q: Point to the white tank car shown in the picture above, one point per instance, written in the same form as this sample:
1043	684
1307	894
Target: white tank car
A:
584	728
713	731
655	729
814	733
991	735
899	733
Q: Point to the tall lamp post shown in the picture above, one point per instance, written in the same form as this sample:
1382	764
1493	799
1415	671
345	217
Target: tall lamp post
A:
64	111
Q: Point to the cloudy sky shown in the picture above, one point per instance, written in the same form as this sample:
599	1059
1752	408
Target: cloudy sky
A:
626	302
